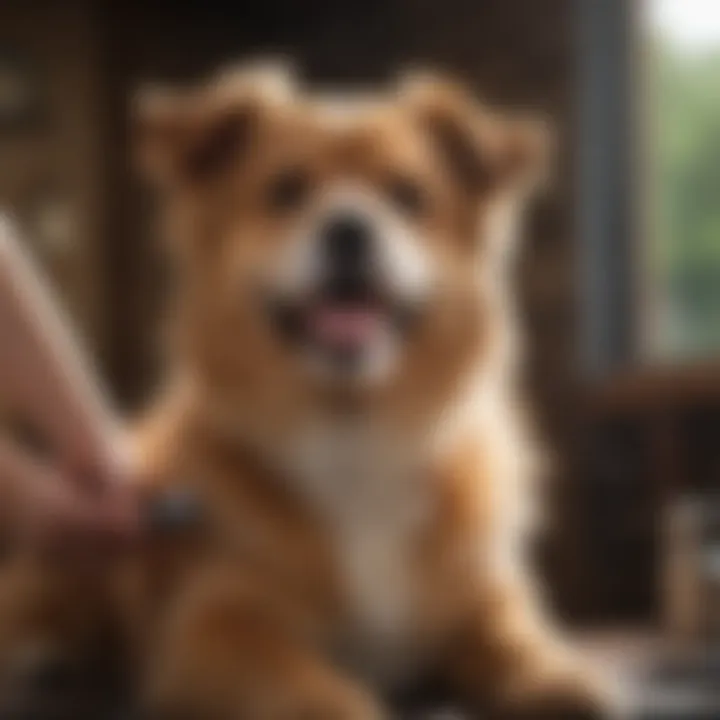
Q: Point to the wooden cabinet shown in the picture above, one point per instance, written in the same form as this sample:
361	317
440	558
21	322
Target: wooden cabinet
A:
51	169
653	442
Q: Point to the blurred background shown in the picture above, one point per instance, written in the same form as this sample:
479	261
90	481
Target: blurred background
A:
619	278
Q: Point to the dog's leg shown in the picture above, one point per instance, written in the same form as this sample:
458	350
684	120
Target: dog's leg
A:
57	641
509	661
225	654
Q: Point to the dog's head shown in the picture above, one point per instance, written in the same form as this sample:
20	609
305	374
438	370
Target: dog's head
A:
335	242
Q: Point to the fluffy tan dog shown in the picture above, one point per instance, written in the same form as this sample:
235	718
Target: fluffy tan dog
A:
341	405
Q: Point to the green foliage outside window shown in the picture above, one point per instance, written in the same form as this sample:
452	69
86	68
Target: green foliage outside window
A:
686	231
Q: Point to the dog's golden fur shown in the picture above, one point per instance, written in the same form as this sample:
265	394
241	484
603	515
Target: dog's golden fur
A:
296	600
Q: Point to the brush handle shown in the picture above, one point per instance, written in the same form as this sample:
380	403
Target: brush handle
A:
44	375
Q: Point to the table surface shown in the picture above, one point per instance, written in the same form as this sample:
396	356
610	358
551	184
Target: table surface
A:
663	679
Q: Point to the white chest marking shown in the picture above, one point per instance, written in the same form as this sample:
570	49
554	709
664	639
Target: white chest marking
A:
369	488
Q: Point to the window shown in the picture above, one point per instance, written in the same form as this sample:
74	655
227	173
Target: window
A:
649	159
682	262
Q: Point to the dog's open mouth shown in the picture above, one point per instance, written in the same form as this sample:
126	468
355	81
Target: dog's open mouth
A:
344	327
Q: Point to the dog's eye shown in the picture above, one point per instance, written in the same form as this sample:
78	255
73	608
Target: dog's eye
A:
288	190
408	195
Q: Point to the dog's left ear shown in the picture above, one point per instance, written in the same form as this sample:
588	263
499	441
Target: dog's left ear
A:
191	135
485	150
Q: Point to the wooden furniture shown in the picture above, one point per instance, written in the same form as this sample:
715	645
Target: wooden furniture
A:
653	438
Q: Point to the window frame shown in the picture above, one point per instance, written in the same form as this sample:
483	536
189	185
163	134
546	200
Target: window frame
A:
613	184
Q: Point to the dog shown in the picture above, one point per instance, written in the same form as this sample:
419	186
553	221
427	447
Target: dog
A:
341	403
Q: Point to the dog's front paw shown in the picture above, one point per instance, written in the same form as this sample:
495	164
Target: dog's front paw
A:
570	696
343	702
281	698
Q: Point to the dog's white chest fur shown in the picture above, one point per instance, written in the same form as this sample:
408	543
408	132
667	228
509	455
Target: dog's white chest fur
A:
369	488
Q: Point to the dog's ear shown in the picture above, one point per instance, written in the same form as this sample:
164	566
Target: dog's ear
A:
194	135
484	150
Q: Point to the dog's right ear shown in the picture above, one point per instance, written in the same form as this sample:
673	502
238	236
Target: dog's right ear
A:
194	135
485	150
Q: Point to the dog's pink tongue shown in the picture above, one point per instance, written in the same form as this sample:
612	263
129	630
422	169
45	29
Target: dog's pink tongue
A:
345	327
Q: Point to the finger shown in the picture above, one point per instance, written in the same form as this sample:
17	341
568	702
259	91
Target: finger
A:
118	512
110	488
40	504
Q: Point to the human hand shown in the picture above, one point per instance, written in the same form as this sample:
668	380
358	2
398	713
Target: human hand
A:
70	509
79	495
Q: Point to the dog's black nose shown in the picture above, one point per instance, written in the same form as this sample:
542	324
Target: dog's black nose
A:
347	243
